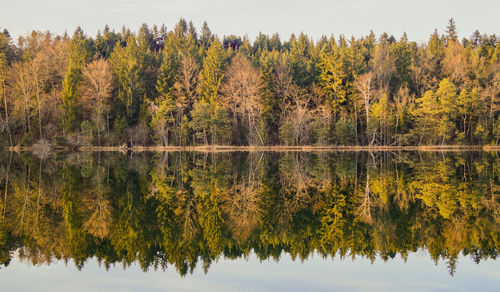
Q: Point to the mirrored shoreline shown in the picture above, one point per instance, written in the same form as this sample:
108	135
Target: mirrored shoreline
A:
187	210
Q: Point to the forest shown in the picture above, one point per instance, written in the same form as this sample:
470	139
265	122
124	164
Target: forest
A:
184	87
187	209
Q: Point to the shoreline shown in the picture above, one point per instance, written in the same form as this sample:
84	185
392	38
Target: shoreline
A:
221	148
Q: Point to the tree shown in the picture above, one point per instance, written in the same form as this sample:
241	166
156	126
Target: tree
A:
491	99
271	100
77	58
296	117
242	96
426	115
212	72
36	87
333	79
96	88
125	68
447	98
384	65
364	85
185	95
220	130
455	64
435	55
301	65
3	95
435	114
381	121
451	30
209	86
260	93
469	109
403	62
164	111
39	75
201	121
402	103
163	121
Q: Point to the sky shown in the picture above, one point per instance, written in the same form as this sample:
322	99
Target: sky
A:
224	17
417	273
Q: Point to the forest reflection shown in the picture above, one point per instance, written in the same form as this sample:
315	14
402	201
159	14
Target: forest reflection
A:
185	209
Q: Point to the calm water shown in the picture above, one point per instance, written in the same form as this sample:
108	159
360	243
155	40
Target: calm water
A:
250	221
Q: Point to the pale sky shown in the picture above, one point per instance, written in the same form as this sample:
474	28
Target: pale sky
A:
417	273
224	17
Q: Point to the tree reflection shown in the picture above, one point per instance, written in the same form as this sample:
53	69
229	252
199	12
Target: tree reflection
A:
185	208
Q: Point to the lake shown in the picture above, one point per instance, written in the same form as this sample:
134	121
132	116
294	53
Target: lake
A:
250	221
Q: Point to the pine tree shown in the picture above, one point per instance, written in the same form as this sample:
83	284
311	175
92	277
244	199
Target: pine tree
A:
77	58
426	117
169	70
271	110
469	109
163	119
125	67
332	78
206	37
403	62
201	121
212	72
164	108
435	54
300	62
451	30
338	68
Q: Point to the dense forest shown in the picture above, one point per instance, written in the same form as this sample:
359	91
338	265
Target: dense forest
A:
187	87
184	209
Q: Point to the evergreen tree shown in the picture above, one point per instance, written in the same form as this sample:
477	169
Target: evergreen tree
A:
469	109
164	108
124	62
212	72
77	59
451	30
447	99
201	121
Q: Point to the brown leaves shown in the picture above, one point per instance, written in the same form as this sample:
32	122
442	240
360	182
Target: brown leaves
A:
96	85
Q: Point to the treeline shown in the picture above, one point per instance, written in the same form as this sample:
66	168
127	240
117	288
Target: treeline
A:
185	209
184	87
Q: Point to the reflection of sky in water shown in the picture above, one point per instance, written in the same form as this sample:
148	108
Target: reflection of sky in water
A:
419	273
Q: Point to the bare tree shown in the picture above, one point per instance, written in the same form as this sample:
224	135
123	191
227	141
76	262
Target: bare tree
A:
35	80
383	65
242	96
282	80
39	76
491	98
364	84
364	211
23	92
296	115
96	87
3	94
455	62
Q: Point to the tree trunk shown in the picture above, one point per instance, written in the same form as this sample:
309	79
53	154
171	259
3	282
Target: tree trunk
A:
6	114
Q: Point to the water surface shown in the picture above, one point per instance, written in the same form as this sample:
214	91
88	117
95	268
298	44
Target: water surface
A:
250	221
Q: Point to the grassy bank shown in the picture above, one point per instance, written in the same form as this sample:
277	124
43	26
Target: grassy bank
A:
221	148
